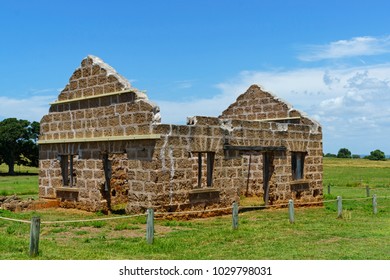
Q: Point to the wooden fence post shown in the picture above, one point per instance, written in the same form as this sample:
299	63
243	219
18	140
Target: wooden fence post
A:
368	191
374	204
150	226
34	236
339	207
328	188
235	215
291	211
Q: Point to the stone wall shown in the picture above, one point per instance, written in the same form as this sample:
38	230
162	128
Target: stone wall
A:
256	104
118	115
96	104
102	147
93	77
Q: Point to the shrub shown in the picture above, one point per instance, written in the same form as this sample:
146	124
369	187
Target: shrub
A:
330	155
344	153
377	155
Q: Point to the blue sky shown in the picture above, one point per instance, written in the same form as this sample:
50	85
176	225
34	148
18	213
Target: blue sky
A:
329	59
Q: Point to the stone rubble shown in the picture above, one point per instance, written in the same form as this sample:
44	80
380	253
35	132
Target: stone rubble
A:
14	203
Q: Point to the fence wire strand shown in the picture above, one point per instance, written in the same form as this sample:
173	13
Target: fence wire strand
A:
92	220
193	212
15	220
189	212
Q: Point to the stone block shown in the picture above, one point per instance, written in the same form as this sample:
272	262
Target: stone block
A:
118	86
86	71
102	79
139	118
120	109
92	81
108	88
73	85
118	131
98	90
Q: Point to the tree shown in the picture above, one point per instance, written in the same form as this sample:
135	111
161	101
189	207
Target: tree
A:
377	155
344	153
18	143
330	155
29	153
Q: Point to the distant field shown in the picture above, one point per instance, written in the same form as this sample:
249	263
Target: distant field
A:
19	169
262	234
356	173
23	185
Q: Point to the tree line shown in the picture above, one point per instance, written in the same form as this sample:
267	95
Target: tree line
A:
18	143
345	153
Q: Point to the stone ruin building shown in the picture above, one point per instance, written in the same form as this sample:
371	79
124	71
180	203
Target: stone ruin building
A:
103	147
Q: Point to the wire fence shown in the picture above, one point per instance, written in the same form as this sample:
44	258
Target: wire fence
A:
35	222
361	187
279	205
15	220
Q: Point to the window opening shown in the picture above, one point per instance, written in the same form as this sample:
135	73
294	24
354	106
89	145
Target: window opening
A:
199	170
107	172
67	170
267	173
297	165
209	168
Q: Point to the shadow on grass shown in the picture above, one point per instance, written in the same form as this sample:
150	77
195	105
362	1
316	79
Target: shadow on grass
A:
19	174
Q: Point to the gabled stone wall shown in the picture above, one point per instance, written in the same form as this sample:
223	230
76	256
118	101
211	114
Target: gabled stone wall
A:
256	104
93	77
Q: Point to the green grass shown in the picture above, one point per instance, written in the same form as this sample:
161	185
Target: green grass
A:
265	234
356	173
19	169
23	184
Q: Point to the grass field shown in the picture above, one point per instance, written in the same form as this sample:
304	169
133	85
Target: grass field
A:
19	169
356	173
263	234
24	183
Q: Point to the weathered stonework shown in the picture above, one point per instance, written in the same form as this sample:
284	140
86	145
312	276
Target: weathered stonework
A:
102	147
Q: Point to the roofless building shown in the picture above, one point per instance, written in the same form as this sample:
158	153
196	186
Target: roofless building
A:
103	147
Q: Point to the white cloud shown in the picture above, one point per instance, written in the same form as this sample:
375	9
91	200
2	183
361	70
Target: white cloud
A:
184	84
331	104
358	46
298	87
176	112
362	80
32	108
330	80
